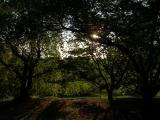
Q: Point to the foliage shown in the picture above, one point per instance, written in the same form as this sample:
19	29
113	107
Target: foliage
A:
8	83
130	26
78	88
128	39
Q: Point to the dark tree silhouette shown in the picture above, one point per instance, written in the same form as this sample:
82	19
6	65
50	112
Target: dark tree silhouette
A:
135	25
25	27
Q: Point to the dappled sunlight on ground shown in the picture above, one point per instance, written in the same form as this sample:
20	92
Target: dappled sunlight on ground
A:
49	109
73	109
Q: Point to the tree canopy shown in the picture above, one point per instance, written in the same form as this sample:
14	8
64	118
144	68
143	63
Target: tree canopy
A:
125	31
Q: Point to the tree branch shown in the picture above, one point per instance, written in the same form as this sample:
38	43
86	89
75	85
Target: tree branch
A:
10	67
122	74
14	51
43	73
127	52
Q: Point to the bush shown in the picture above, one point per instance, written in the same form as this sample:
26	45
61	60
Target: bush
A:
78	88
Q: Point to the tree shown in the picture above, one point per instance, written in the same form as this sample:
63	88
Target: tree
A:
135	25
110	69
131	26
137	37
25	38
28	55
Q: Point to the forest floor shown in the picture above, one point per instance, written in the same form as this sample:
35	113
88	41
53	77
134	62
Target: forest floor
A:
68	109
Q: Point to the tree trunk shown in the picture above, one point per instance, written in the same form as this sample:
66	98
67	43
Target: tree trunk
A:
110	97
24	92
26	82
147	103
111	103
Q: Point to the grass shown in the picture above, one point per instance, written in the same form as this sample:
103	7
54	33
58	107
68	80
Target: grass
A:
6	99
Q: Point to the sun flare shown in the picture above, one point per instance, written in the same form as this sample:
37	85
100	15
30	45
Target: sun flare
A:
95	36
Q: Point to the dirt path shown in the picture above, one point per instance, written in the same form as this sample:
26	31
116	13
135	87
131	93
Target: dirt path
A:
49	109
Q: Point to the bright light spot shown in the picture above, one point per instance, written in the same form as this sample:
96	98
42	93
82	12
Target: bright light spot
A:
95	36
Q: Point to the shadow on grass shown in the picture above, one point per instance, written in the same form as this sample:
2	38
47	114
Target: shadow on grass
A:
53	112
70	110
12	110
133	109
77	109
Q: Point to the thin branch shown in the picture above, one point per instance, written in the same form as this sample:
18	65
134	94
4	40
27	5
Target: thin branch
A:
128	53
72	29
14	51
100	71
157	75
122	74
150	56
43	73
10	67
